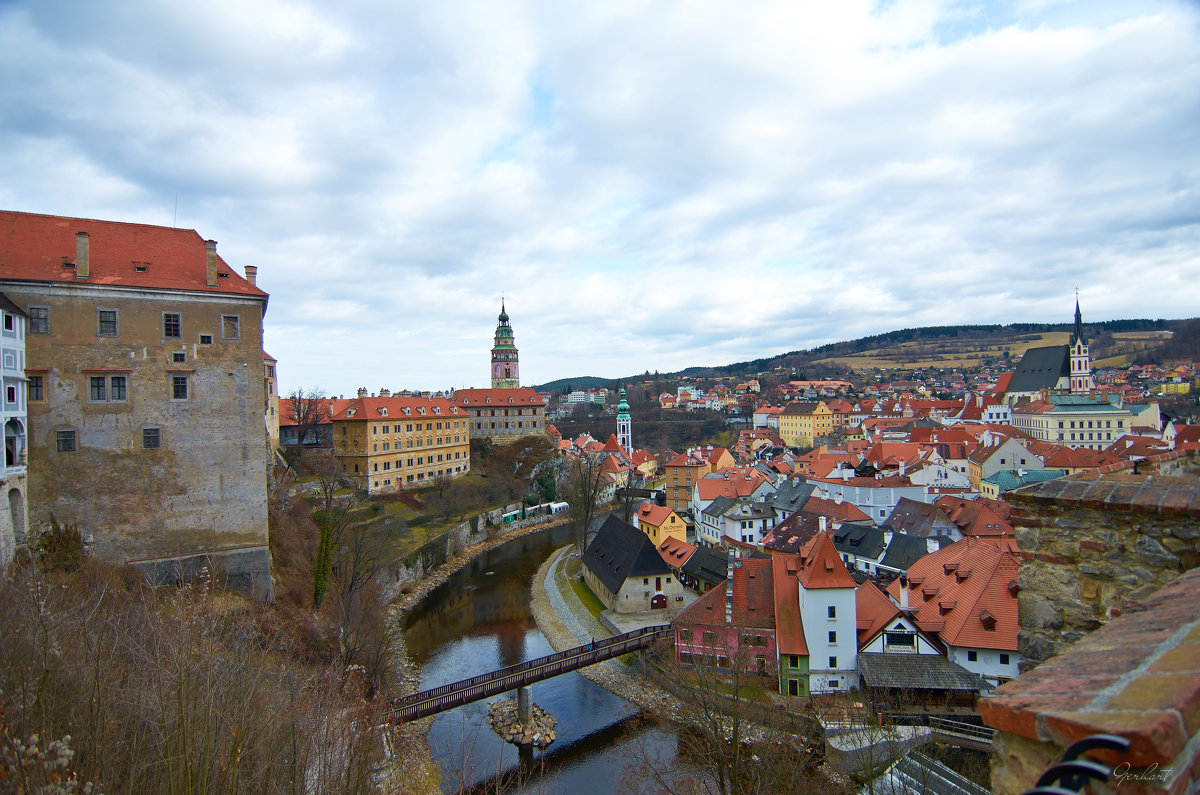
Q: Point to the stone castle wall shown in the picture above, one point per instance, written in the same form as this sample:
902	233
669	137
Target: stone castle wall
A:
1096	544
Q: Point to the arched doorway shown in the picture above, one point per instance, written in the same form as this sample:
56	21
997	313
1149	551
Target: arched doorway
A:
658	602
14	443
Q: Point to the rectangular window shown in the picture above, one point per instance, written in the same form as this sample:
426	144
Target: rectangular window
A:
151	438
685	635
230	327
832	637
794	660
179	387
709	638
98	388
172	325
106	322
206	339
831	611
179	357
116	388
1004	659
972	656
39	320
10	323
833	663
10	393
65	441
36	388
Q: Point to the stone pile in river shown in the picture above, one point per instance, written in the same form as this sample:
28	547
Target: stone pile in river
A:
502	717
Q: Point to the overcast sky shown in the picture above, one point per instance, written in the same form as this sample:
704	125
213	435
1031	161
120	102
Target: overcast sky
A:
649	185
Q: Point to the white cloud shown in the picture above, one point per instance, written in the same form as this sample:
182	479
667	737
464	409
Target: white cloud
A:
651	186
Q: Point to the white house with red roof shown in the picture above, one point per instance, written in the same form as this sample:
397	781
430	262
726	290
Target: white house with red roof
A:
966	593
827	613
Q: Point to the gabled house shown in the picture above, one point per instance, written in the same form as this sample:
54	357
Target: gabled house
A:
861	546
827	613
626	572
698	568
732	626
967	593
659	523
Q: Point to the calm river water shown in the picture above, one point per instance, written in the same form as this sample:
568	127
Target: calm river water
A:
480	620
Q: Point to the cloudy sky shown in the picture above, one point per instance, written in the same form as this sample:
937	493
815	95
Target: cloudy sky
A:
649	185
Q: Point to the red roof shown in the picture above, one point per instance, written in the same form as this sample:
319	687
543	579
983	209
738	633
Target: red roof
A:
654	514
789	626
821	566
873	611
392	408
500	398
976	517
962	587
753	598
675	552
734	485
842	511
35	247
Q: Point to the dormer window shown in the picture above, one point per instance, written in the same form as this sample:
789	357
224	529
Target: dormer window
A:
988	621
421	410
383	411
407	411
350	412
437	409
1013	588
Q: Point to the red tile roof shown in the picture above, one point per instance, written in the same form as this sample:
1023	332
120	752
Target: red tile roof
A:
654	514
976	517
392	408
821	566
34	247
961	584
789	626
753	599
841	511
675	552
873	611
499	398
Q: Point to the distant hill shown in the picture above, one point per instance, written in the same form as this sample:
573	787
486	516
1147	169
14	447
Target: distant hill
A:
1113	343
581	382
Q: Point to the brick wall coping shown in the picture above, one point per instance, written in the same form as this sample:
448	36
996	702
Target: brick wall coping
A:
1177	495
1137	677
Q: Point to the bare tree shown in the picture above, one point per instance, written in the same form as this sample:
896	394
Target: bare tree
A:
332	516
307	409
581	486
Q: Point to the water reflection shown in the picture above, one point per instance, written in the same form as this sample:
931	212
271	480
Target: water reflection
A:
479	620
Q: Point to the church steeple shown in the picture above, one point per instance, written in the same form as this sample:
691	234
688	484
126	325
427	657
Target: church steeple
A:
624	425
505	374
1081	360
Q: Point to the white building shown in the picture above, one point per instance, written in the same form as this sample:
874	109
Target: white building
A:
15	520
827	612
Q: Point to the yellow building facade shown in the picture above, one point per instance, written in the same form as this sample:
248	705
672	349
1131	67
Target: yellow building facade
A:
801	423
385	444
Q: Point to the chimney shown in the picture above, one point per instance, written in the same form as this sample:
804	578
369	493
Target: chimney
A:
252	274
210	247
362	391
904	592
902	469
82	266
823	523
385	393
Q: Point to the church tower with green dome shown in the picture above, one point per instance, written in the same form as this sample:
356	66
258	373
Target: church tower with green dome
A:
504	355
624	425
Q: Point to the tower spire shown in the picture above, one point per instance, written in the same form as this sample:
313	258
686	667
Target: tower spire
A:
505	372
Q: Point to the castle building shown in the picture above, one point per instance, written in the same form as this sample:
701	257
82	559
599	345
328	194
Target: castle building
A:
12	413
505	372
145	394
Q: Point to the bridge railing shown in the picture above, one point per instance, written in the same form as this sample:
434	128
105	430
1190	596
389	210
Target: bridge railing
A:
530	671
980	734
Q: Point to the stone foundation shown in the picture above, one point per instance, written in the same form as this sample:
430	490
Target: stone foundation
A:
502	717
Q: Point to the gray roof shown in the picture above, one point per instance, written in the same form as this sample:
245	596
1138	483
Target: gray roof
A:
1040	368
747	508
864	540
620	551
718	506
791	496
903	551
908	671
916	518
706	565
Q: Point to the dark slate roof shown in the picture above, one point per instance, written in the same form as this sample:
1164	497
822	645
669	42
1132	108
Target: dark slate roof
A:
916	672
903	551
863	540
706	565
916	518
620	551
791	496
1040	368
793	532
719	506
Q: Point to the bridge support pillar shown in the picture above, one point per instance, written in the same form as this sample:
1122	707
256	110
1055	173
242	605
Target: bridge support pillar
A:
525	705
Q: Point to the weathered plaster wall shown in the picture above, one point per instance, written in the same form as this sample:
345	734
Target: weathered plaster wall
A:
202	495
1094	544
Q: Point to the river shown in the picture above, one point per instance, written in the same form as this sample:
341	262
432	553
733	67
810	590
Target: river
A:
479	620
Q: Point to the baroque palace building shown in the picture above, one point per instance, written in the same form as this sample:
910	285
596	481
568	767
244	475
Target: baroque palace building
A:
506	412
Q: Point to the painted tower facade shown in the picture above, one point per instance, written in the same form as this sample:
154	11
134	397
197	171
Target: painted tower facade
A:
624	425
1081	361
505	374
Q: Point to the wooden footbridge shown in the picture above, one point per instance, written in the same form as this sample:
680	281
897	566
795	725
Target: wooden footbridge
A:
439	699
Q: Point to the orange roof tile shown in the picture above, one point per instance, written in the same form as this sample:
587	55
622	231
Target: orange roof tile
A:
873	611
34	247
821	566
654	514
500	398
789	626
392	408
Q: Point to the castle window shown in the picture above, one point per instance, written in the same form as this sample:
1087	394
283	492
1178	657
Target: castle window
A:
231	327
39	320
65	441
151	438
179	387
206	339
172	325
36	389
106	322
